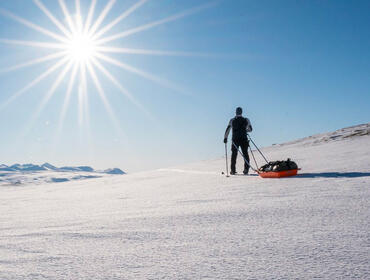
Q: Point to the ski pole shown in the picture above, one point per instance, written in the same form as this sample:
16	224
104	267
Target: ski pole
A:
245	159
227	165
257	148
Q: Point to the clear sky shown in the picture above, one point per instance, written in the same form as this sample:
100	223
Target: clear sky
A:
296	67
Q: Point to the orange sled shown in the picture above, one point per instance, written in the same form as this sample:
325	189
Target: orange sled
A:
278	174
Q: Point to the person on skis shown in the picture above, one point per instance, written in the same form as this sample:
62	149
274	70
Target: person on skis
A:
240	127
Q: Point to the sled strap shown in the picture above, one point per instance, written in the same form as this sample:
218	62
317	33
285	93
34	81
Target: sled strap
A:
253	157
257	148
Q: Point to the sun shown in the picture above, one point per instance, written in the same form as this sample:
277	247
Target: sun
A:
81	48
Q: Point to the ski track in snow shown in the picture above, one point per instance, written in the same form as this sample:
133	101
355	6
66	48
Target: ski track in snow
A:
190	222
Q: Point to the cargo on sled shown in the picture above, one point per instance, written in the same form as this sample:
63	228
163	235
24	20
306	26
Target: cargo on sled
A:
278	169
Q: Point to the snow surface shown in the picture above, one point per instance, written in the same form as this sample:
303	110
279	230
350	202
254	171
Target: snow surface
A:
190	222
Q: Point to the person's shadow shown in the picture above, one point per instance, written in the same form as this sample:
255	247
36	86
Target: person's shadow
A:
334	175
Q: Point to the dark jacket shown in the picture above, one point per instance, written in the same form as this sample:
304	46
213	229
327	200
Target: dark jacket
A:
240	127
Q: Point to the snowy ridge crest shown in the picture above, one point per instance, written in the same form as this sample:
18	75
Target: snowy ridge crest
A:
338	135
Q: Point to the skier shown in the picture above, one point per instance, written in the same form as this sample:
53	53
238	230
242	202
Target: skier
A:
240	127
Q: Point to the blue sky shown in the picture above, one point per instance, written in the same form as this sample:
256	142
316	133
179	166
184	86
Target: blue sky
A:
296	67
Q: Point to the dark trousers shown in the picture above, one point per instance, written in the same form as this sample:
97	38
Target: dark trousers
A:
244	144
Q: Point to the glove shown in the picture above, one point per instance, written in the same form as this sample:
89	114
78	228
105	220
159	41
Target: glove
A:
225	140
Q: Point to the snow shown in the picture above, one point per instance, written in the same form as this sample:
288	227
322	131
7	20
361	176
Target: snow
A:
190	222
340	134
26	174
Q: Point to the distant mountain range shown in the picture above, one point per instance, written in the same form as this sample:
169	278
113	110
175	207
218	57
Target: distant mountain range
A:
29	167
30	174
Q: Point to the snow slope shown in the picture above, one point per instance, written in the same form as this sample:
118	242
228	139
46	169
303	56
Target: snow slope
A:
190	222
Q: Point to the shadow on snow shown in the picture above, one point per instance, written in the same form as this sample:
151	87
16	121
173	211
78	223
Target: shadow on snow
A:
335	175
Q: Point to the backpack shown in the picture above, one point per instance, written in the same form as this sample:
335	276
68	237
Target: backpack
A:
280	165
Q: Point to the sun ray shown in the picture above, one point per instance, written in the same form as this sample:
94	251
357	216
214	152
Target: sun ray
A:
124	15
78	15
52	18
102	15
81	107
156	23
47	97
32	43
142	73
33	62
55	85
82	96
151	52
89	16
119	85
85	95
104	98
51	92
33	26
86	109
33	83
67	15
67	99
82	55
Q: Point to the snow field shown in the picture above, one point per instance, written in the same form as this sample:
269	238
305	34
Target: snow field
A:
190	222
